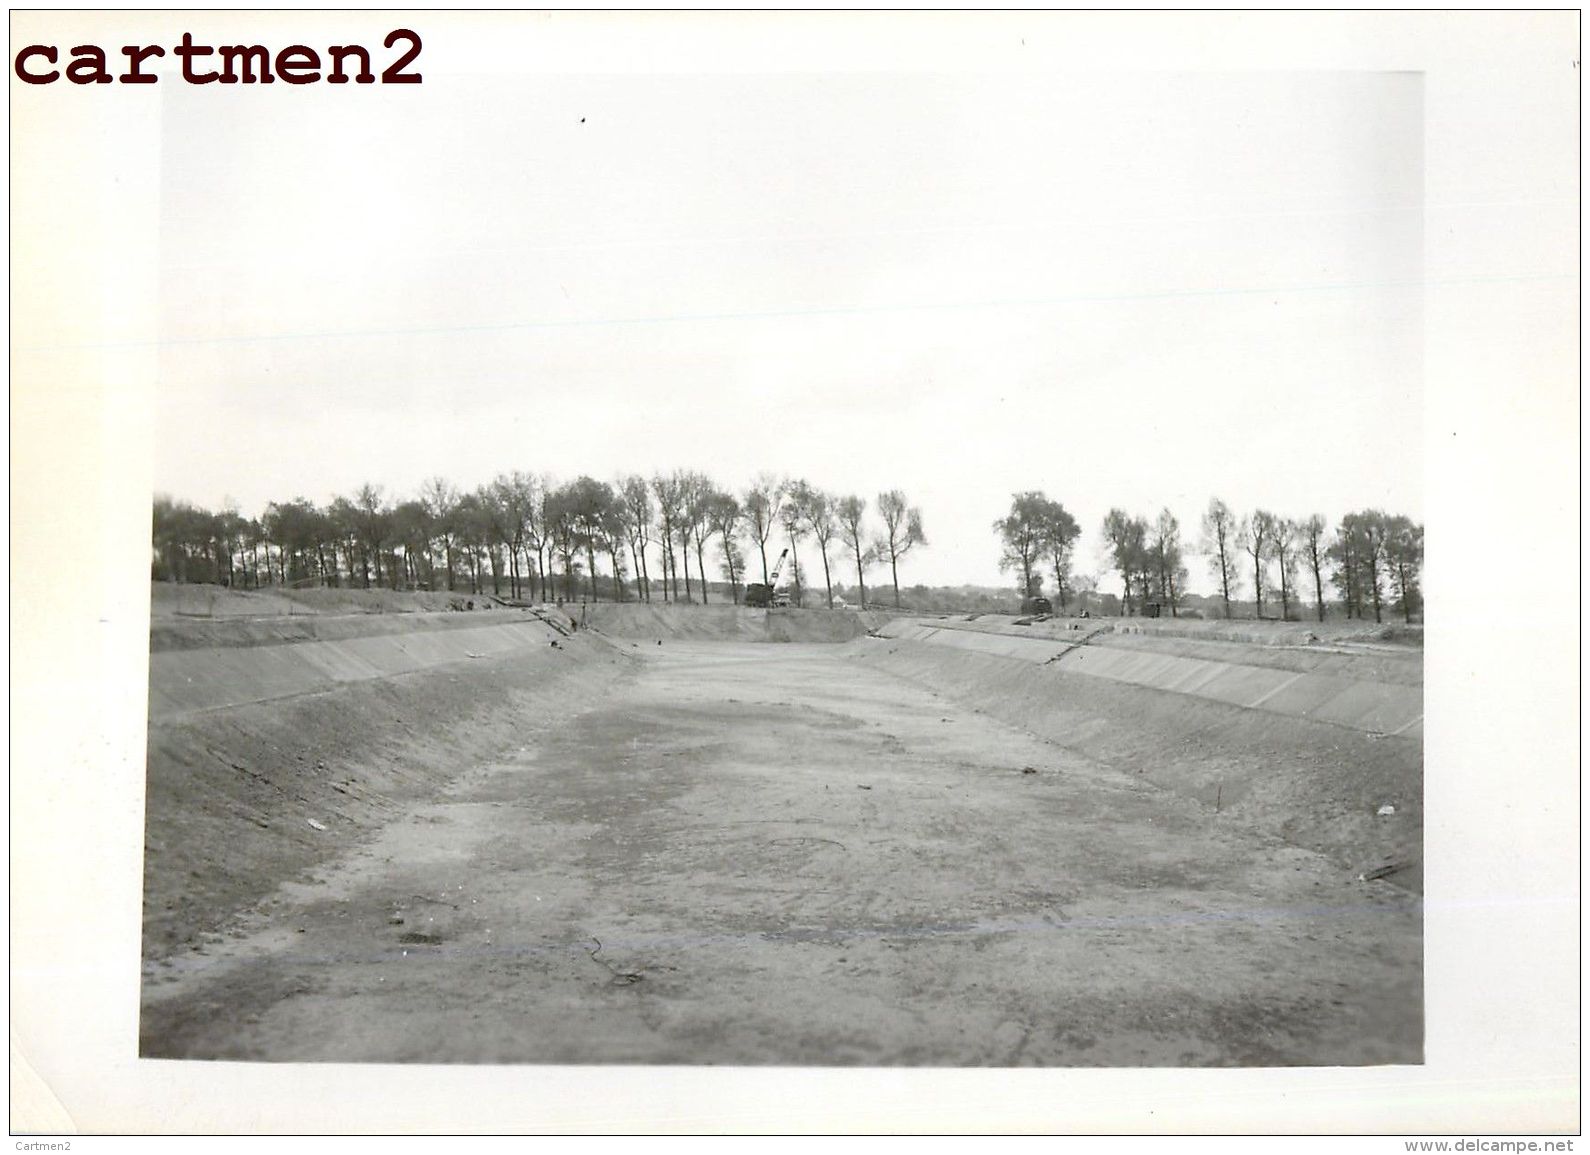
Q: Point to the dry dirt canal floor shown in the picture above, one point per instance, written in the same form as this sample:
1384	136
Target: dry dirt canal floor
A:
758	854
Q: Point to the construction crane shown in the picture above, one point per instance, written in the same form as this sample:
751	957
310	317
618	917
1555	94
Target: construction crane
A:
759	596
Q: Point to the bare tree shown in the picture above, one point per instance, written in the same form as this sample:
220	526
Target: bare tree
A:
1127	538
697	490
614	527
559	512
1166	552
373	525
1058	533
496	531
1367	530
1283	547
441	500
590	504
851	511
818	509
1359	556
252	538
301	533
540	532
411	527
184	539
1312	532
670	504
1347	574
1021	535
902	532
469	534
1220	537
517	493
344	518
724	516
792	516
1404	552
761	506
638	513
1255	535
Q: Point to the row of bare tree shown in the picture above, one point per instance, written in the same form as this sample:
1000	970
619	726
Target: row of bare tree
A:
520	530
1040	531
1372	560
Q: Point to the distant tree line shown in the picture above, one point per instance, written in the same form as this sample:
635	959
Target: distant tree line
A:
1371	560
536	537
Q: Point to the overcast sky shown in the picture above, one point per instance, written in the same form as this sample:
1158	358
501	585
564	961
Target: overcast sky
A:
1123	289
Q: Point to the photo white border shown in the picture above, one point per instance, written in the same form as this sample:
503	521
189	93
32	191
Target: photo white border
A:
1501	450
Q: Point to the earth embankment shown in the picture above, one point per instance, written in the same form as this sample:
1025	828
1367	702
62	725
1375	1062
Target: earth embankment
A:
274	746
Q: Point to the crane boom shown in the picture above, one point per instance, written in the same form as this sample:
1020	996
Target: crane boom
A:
759	596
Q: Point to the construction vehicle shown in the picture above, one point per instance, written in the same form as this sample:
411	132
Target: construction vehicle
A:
759	596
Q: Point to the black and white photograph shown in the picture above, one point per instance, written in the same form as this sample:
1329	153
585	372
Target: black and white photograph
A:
670	550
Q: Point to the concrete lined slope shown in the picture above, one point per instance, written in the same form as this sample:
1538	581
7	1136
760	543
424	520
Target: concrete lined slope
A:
1315	784
1402	664
1329	692
231	791
652	621
1390	636
178	599
181	681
